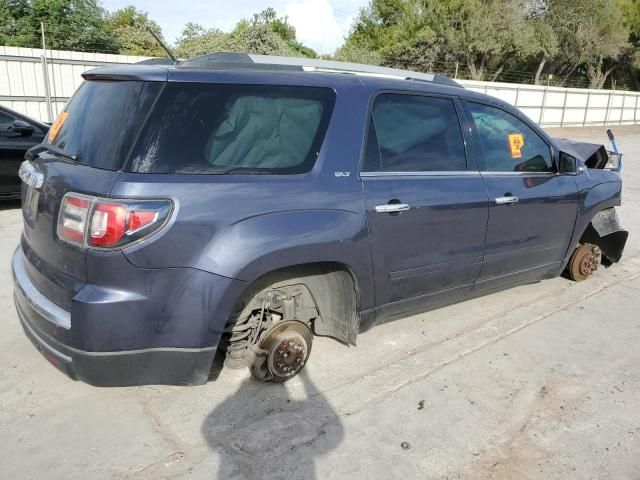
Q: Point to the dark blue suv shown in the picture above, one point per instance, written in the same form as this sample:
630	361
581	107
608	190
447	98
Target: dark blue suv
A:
174	213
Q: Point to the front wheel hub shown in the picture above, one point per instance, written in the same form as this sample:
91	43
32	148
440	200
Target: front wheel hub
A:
282	351
584	261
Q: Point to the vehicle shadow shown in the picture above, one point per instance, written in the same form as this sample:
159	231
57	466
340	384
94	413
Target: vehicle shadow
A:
260	431
10	204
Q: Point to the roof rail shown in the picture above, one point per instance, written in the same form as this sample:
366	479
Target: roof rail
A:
272	62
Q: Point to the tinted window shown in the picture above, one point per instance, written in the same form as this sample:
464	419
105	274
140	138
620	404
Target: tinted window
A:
5	118
507	144
213	128
411	133
102	119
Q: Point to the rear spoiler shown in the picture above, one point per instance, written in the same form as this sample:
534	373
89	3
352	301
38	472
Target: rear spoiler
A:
135	72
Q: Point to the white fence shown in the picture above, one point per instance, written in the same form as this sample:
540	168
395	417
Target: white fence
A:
39	87
564	107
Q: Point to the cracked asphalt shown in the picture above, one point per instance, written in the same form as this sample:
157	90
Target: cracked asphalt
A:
541	381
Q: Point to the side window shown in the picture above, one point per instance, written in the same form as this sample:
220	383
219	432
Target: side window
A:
507	144
5	118
412	133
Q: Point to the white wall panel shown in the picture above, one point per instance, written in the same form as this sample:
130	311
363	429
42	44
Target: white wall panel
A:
22	88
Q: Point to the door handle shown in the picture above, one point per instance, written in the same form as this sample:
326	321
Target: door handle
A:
392	207
506	200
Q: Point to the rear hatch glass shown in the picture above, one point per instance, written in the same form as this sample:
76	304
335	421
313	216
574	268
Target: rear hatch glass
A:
101	121
190	128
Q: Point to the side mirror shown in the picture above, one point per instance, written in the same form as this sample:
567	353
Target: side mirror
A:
568	164
21	127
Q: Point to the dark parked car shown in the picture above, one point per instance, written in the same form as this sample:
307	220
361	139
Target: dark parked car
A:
17	135
179	211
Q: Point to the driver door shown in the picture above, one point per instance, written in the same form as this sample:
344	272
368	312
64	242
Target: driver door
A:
532	208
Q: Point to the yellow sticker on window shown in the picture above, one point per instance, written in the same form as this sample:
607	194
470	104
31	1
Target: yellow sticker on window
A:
516	142
57	125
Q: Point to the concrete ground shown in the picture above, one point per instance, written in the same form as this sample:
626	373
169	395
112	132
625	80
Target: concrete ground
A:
541	381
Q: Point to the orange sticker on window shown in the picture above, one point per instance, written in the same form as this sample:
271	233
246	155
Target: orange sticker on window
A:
57	125
516	142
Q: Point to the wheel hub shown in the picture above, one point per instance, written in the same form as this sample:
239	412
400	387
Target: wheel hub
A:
282	351
288	357
590	261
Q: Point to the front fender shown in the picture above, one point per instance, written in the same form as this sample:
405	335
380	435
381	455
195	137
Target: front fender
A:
261	244
593	200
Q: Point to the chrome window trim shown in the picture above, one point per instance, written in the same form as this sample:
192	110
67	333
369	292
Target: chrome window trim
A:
518	174
413	93
452	173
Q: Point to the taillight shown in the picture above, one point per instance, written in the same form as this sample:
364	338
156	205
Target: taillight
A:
95	222
73	218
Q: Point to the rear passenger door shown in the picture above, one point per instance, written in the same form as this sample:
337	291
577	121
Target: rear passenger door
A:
532	208
426	203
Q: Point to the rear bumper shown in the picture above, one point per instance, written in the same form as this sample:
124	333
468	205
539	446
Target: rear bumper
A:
50	327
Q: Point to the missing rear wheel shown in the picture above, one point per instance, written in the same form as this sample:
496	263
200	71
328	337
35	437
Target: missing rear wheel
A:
282	352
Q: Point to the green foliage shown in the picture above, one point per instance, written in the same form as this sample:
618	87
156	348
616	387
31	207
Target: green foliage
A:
69	25
128	26
80	25
491	38
13	18
195	40
279	25
586	42
265	33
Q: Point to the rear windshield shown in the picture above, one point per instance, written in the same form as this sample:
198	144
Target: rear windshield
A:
190	128
101	121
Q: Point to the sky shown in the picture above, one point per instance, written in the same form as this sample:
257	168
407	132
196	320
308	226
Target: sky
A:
320	24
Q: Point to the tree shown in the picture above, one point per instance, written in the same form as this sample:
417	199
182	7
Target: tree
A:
483	34
281	26
265	33
591	38
605	40
72	25
129	26
541	44
69	25
13	22
630	62
195	40
258	38
394	33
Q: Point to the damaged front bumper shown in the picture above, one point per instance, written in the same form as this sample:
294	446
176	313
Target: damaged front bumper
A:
606	232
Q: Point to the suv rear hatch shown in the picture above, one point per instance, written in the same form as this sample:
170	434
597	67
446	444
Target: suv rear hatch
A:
139	135
83	153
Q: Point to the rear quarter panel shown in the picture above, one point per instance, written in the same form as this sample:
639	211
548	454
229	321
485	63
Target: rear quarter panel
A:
243	226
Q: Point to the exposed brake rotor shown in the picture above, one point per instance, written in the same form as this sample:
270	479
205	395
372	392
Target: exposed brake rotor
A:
282	351
584	261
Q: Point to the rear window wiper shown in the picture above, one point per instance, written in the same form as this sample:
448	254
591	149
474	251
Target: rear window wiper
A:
33	152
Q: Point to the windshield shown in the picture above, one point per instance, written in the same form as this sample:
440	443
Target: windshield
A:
100	122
